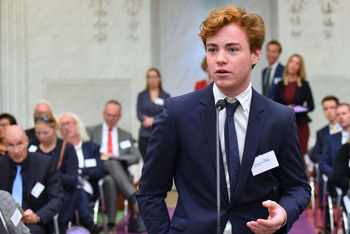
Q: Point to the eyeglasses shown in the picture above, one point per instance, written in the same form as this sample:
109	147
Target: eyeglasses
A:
12	147
4	125
68	124
42	118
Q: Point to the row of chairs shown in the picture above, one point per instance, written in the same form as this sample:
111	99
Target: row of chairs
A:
338	207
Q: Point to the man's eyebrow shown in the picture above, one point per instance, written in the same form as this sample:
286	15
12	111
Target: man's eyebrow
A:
212	44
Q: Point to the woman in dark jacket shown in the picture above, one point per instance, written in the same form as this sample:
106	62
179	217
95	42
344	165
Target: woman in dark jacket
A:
150	103
294	91
49	144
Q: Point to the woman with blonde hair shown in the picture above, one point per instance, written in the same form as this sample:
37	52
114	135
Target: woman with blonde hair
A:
66	162
294	91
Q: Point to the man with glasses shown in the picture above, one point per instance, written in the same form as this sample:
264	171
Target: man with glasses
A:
90	166
117	152
31	179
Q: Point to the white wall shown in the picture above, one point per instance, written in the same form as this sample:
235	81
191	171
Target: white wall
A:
49	51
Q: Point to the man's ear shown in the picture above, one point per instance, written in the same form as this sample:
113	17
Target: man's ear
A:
255	56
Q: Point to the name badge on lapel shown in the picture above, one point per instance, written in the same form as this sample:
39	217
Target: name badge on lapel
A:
37	189
159	101
264	163
16	217
91	162
33	148
125	144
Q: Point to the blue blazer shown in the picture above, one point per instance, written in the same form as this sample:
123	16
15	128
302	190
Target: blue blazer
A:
331	146
92	151
183	147
276	78
316	152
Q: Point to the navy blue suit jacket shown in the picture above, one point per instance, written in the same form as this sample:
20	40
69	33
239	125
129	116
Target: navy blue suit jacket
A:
330	148
276	78
183	147
321	135
92	151
40	168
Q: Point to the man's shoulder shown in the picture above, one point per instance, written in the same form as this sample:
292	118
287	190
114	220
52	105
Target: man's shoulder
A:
187	100
94	128
261	102
324	130
90	145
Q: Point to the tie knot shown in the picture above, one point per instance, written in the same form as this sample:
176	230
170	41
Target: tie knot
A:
109	129
231	108
19	167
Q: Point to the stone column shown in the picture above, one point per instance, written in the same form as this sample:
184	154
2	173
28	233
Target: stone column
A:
13	59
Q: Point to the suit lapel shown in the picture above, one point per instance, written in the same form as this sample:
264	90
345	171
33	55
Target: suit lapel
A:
254	128
32	171
208	117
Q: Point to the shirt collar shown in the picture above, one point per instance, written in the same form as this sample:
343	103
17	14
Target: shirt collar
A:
105	126
244	98
274	66
78	146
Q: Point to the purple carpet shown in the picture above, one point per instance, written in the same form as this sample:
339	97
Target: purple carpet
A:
301	226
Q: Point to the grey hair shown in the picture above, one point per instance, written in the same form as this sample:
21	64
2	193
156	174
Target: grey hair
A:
81	127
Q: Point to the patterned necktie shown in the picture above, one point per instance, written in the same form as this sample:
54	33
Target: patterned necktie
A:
267	83
231	145
17	189
334	129
109	142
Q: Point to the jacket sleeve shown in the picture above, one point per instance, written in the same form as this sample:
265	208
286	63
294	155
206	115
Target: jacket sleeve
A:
94	173
54	193
157	173
340	168
326	159
69	170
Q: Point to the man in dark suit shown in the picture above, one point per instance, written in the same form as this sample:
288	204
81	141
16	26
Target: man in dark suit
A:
42	192
329	105
40	108
333	142
273	73
117	152
90	166
263	183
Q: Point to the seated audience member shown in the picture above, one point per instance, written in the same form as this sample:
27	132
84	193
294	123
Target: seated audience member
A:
203	83
150	103
334	142
341	168
5	120
117	147
7	209
32	180
329	105
90	166
66	162
40	108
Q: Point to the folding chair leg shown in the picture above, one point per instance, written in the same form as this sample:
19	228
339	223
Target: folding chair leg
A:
330	209
96	205
126	204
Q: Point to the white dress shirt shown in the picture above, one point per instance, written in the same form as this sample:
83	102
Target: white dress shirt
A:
115	140
241	118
